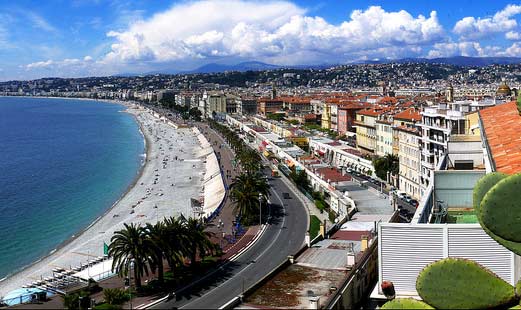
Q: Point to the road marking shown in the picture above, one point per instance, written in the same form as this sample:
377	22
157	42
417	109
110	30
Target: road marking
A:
249	265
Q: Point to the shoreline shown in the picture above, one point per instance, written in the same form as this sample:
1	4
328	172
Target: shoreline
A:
28	272
78	234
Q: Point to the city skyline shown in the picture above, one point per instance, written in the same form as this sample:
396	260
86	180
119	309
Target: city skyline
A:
93	38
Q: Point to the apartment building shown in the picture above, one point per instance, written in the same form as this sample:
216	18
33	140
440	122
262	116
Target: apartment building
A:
326	116
366	129
437	125
409	159
247	106
384	136
266	106
409	116
346	115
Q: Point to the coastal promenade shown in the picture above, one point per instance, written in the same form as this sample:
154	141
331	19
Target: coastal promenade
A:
171	176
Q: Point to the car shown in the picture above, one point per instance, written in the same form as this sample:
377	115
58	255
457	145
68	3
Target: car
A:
285	195
401	194
407	198
414	202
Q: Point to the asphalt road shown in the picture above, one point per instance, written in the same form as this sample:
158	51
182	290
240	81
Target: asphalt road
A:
284	236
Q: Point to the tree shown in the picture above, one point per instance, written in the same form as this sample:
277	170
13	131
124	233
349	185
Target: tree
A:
245	192
301	179
388	163
126	245
250	160
195	113
115	296
176	241
80	300
198	240
156	237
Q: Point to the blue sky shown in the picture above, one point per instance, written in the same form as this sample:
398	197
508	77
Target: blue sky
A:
102	37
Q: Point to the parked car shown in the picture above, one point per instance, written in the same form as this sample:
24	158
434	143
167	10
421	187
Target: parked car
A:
285	195
407	198
414	202
401	194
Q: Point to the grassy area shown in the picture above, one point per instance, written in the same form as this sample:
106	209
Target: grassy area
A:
106	306
462	217
314	226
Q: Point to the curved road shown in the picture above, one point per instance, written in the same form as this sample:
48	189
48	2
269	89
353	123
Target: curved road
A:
284	236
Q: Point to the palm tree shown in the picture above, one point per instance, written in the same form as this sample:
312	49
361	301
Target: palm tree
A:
156	236
129	245
245	192
198	240
250	160
176	239
392	163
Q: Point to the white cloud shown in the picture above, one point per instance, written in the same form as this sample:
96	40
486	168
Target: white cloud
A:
503	21
513	36
275	31
465	48
514	50
39	22
39	64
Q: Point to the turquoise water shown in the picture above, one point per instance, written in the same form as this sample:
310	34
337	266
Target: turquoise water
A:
63	163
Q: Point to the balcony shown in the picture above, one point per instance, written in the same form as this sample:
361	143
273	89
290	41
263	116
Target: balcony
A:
428	165
427	152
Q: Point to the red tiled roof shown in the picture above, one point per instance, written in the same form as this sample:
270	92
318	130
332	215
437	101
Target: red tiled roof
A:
502	128
369	112
332	175
351	235
410	114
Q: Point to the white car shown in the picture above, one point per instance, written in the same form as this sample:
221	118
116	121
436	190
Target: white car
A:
401	194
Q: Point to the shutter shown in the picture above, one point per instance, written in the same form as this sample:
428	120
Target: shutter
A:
406	250
475	244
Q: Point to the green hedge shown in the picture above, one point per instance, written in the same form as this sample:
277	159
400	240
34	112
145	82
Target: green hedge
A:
314	226
320	205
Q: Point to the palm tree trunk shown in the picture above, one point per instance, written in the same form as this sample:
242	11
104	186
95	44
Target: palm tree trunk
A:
193	259
160	272
137	276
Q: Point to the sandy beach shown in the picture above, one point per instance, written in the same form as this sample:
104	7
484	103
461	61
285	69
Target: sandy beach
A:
172	174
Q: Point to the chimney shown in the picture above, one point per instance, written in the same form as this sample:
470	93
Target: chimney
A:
364	243
351	256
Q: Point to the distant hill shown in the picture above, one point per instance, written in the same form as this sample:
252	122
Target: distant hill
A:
456	61
260	66
243	66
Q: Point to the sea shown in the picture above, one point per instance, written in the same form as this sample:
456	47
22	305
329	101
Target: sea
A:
63	163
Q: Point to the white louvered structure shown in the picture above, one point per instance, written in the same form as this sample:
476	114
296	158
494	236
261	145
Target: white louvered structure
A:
405	249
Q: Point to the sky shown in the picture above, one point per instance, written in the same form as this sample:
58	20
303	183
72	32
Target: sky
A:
77	38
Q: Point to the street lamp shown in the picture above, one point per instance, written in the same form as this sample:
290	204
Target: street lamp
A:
260	209
132	260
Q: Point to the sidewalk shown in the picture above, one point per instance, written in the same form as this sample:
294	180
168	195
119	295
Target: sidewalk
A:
310	205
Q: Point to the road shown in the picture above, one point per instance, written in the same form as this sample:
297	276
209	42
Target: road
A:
287	225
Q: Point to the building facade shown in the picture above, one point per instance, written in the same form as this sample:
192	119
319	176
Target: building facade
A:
409	159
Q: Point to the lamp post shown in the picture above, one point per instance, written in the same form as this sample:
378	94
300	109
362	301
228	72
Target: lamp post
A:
260	209
130	281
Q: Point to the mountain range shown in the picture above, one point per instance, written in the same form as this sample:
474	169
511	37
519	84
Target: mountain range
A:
260	66
455	60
